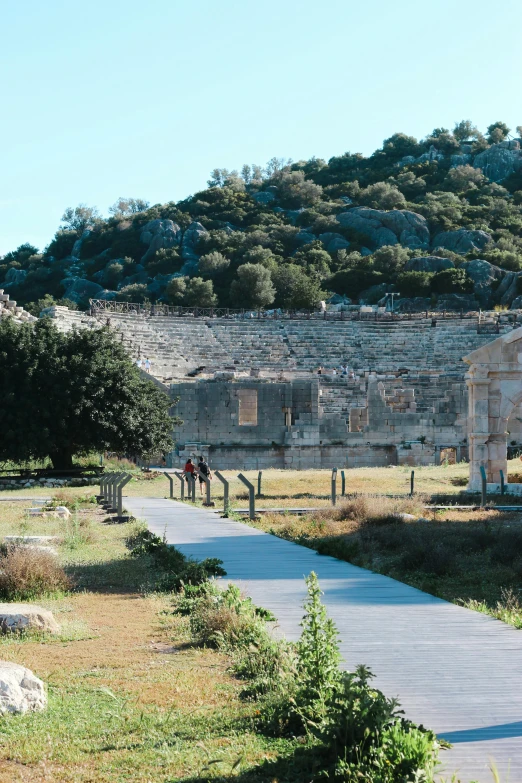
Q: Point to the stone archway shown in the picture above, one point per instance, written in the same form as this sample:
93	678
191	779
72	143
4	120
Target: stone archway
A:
494	381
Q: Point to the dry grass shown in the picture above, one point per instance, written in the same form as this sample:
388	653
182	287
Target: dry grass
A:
130	701
27	573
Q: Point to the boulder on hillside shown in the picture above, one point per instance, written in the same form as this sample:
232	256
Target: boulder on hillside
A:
457	302
15	277
26	617
509	288
516	304
159	234
461	159
428	264
190	241
79	290
500	160
333	241
77	247
20	690
414	304
388	228
373	294
263	197
462	240
485	277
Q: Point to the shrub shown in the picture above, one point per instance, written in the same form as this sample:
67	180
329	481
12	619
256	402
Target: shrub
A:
414	283
178	569
452	281
27	573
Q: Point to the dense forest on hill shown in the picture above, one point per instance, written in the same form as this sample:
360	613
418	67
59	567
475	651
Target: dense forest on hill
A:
438	220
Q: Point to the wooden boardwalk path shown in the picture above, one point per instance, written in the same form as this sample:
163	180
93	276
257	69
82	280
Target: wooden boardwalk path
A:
454	670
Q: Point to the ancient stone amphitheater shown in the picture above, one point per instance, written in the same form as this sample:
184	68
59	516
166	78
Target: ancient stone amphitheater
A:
250	394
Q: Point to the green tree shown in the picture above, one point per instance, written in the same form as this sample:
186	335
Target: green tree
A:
253	287
314	259
124	207
176	290
463	178
213	264
66	395
414	283
295	191
295	290
382	195
35	308
497	132
79	218
452	281
135	292
390	259
200	293
465	131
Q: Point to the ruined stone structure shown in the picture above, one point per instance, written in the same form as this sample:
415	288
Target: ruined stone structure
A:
250	394
494	380
9	309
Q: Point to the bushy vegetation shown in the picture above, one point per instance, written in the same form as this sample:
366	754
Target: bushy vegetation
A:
27	573
175	570
351	731
264	235
70	394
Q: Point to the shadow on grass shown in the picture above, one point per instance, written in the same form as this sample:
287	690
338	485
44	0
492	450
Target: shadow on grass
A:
304	764
125	575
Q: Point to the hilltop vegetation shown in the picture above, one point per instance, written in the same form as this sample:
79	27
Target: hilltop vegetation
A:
439	219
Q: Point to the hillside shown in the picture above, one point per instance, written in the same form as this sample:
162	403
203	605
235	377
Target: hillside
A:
438	220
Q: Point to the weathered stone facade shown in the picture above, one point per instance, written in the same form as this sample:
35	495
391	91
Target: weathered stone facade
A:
251	395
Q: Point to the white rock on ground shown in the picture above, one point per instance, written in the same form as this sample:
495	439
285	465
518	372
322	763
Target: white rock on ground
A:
26	617
42	540
20	690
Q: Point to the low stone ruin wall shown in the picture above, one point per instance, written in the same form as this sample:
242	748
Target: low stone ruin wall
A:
14	482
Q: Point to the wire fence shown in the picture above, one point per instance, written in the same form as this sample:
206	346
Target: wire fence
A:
489	322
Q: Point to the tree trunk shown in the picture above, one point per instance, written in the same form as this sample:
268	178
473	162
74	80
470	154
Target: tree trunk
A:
62	460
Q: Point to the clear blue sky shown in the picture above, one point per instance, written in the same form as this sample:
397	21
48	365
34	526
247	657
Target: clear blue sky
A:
125	98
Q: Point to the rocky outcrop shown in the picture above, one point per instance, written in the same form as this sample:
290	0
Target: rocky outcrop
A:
263	197
333	241
428	264
20	690
485	277
15	277
77	247
26	617
462	241
509	288
457	302
159	234
499	160
190	241
79	290
387	228
462	159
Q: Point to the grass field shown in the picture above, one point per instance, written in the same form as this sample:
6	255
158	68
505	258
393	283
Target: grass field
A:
129	698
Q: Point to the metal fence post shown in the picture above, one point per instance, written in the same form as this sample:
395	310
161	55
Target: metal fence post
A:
125	480
343	483
225	483
484	486
259	476
182	488
105	486
502	483
171	482
334	486
251	496
412	483
114	490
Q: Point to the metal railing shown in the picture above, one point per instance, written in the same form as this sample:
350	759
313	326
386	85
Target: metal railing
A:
100	308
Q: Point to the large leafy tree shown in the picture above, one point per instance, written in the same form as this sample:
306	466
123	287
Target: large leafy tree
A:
65	395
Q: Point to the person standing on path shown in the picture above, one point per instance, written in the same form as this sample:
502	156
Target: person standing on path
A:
204	470
188	471
139	362
147	365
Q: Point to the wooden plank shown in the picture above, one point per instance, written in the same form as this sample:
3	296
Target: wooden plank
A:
453	669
